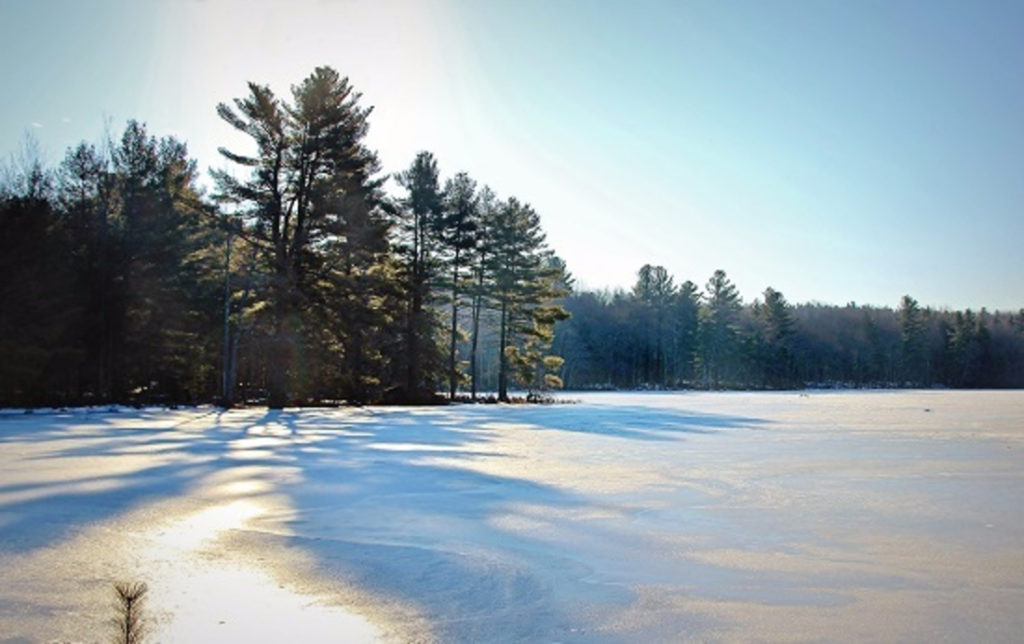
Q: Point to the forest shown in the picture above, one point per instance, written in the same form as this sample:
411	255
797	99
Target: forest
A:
299	278
662	336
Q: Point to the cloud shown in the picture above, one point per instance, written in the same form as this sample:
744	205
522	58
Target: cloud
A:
37	124
65	119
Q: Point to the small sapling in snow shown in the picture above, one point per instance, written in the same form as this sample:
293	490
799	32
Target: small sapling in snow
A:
130	597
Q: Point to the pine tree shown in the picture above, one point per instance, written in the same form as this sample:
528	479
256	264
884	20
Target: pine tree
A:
130	603
718	329
168	304
458	233
87	192
525	283
37	289
912	341
136	233
535	365
775	328
654	291
481	278
687	308
420	225
313	206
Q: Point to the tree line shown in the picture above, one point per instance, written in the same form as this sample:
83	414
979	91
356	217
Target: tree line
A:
298	278
662	335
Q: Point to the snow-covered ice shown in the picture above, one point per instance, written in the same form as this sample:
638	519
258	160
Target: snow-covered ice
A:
893	516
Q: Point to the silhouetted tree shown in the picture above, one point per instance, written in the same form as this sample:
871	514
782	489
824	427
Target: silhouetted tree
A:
481	277
718	329
686	317
458	234
137	233
312	204
38	307
654	291
774	330
913	367
418	248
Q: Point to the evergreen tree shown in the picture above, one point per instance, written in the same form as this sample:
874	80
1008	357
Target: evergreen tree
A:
88	198
39	307
686	314
168	303
481	282
135	228
420	225
535	365
965	350
775	328
359	298
654	291
525	285
912	342
718	329
458	233
313	206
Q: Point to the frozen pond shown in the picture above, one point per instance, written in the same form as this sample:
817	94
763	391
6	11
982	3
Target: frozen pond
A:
892	516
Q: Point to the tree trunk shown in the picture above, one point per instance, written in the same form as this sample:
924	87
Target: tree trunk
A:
502	360
226	366
412	380
278	361
413	377
452	374
277	369
472	351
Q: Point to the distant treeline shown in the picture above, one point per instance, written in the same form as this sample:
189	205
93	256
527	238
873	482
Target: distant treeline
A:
659	335
298	279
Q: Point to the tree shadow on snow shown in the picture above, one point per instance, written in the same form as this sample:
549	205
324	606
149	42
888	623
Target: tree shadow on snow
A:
389	503
74	487
386	500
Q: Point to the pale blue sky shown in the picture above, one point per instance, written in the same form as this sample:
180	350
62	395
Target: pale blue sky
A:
835	151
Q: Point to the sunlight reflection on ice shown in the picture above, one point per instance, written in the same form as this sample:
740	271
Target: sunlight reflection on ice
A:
207	525
210	595
221	603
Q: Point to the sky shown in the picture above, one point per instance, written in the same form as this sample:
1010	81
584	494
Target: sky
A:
834	151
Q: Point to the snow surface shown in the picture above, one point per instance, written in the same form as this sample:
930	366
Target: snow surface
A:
893	516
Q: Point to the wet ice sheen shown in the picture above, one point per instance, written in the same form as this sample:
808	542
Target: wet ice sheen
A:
625	517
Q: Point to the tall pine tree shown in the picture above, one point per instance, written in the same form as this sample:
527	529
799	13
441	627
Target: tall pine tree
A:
418	248
458	232
525	283
718	329
311	201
